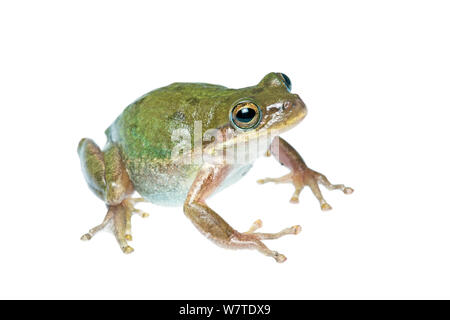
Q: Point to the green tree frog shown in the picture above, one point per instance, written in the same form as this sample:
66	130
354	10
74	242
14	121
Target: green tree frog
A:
180	144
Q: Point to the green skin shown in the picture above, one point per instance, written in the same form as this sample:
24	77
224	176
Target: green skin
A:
139	156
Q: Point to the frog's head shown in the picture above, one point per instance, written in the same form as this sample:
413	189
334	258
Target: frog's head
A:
268	106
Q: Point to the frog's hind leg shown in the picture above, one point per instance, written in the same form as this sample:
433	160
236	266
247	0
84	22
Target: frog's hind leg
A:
130	210
106	176
117	216
101	226
121	221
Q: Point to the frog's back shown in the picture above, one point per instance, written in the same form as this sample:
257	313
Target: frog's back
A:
145	127
143	132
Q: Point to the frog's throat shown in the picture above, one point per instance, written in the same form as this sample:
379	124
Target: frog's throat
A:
288	123
261	138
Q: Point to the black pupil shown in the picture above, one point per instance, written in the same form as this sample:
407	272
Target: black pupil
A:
287	81
245	115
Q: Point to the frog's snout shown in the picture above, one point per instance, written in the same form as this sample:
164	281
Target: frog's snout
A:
297	108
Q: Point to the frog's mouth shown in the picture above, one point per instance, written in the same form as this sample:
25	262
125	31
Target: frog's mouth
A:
287	116
239	148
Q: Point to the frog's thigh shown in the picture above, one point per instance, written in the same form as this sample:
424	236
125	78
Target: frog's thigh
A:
215	227
104	172
118	183
106	175
93	166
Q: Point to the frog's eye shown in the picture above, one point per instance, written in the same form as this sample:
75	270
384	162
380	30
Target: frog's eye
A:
246	115
287	81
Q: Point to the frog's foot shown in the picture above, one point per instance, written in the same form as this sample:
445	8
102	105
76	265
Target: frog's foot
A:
130	203
312	179
252	240
130	209
256	237
300	175
120	218
269	236
211	224
208	222
101	226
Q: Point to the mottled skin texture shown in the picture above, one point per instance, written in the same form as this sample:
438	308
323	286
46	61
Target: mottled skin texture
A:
139	155
178	106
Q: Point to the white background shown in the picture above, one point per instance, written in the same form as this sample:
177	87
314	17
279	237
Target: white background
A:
375	76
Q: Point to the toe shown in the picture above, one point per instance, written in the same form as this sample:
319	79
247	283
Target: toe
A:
128	250
86	237
143	214
280	258
297	229
348	190
294	200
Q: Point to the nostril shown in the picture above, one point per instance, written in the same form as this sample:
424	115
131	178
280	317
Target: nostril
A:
299	103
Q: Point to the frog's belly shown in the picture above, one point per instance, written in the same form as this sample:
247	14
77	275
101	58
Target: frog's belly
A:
169	186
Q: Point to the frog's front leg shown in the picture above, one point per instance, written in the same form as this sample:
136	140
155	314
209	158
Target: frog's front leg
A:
216	228
300	174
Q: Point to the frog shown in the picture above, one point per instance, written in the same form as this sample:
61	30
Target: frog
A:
181	144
